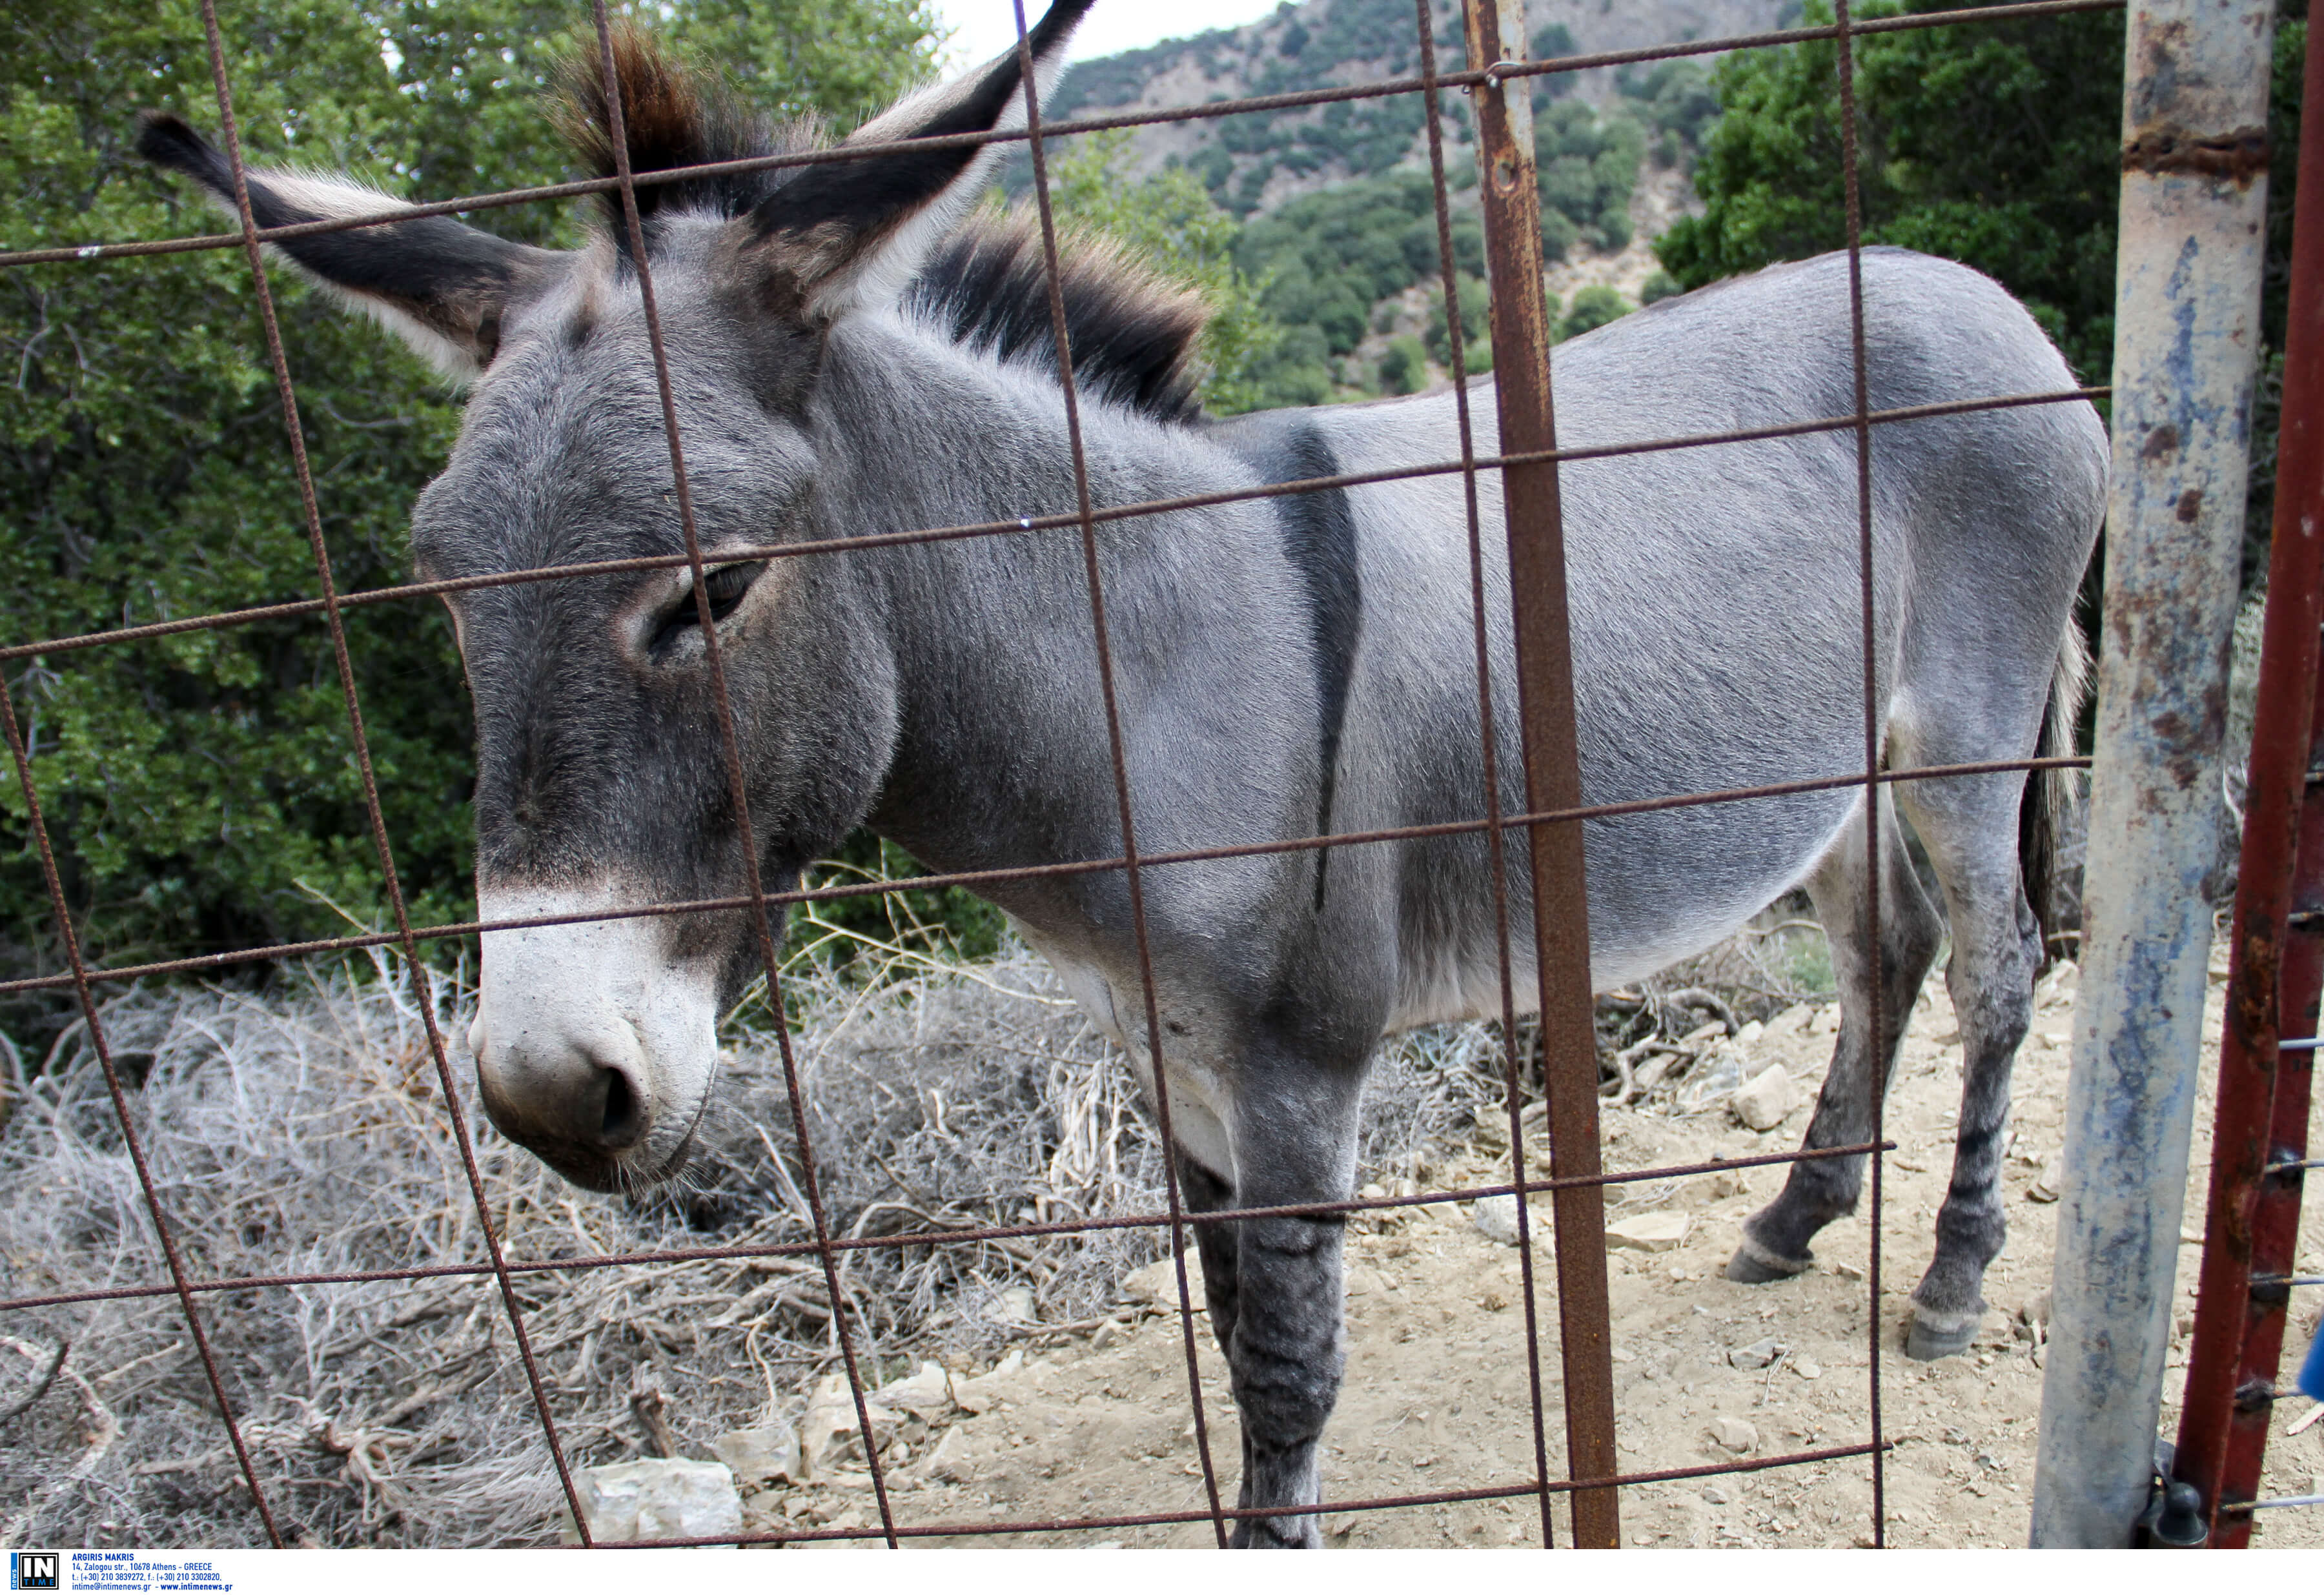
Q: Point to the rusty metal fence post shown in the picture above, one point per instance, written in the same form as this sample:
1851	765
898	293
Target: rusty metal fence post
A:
2259	1149
1511	200
2186	332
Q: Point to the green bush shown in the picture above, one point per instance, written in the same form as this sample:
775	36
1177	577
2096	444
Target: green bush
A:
1592	308
1403	369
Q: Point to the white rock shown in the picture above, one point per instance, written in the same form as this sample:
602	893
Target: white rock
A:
1757	1354
1766	1099
1794	1018
830	1430
1158	1283
2047	1182
1015	1305
771	1450
1807	1367
1496	1218
983	1393
927	1392
666	1498
1737	1434
1648	1231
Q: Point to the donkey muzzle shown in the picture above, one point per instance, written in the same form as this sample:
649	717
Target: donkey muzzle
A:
594	1048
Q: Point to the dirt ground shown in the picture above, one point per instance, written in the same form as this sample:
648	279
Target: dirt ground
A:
1436	1393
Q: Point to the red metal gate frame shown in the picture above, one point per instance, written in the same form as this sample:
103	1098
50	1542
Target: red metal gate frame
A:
2276	961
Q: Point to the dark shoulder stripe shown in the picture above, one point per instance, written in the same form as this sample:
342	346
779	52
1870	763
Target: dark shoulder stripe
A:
1319	539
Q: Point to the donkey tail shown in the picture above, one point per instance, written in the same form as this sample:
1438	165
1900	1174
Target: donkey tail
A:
2051	795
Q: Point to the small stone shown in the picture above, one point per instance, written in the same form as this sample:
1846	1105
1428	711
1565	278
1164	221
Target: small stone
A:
1766	1099
1157	1284
1757	1354
1015	1305
1364	1281
1648	1231
771	1450
2050	1180
1807	1367
1737	1434
1496	1218
1847	1270
979	1395
1714	1495
662	1498
1374	1191
927	1392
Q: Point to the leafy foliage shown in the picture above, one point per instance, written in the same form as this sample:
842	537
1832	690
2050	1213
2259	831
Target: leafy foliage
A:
201	789
1994	145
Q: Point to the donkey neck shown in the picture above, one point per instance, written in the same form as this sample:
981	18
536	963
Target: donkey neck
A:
1003	755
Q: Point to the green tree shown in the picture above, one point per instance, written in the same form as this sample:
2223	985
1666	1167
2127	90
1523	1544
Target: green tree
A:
200	790
1996	145
1592	308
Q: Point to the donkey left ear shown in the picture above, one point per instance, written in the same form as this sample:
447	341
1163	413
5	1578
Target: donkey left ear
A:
439	285
846	235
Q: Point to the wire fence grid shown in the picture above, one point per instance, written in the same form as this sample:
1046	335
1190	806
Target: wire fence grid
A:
1583	1327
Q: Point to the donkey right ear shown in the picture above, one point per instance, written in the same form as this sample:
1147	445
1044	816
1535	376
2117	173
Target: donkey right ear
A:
441	286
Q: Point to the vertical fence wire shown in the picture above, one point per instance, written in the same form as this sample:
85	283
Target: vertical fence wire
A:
1496	837
359	743
21	755
731	744
1132	879
1876	1023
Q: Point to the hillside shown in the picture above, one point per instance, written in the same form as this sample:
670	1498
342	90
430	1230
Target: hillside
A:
1327	212
1253	164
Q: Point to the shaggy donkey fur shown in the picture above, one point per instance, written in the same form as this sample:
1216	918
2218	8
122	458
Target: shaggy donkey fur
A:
847	362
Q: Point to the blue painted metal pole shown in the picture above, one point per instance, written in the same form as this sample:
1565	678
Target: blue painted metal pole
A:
2187	330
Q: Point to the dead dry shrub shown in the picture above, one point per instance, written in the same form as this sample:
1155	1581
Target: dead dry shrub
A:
300	1131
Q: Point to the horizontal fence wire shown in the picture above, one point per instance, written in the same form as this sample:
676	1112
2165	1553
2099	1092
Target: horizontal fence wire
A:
974	878
751	553
963	1235
1378	89
762	903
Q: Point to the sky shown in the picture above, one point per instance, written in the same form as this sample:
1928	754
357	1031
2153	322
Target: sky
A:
983	29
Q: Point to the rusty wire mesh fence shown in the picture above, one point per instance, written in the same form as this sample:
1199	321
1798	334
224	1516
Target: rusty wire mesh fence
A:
1527	464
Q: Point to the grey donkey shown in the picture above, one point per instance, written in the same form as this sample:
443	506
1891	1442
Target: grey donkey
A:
854	355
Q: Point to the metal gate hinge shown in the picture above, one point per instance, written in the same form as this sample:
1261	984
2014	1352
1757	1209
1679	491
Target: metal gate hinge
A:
2173	1518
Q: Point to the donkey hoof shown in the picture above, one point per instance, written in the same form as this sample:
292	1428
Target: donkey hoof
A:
1754	1264
1930	1338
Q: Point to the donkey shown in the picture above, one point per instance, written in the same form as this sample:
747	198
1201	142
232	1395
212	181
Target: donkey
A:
852	355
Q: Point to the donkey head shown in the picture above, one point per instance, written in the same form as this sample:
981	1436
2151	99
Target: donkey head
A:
604	782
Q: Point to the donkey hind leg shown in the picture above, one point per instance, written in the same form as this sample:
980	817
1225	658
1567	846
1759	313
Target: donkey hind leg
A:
1775	1239
1968	824
1285	1343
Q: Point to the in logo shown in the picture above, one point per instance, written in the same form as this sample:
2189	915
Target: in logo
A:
33	1570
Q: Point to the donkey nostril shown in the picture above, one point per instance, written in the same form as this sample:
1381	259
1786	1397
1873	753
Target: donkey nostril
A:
624	1118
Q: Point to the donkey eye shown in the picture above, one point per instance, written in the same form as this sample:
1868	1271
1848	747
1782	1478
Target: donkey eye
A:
724	586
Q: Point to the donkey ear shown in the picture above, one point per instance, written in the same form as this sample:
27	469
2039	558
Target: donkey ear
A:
439	285
846	235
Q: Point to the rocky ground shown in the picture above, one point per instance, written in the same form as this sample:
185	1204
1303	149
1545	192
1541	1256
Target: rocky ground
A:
1436	1398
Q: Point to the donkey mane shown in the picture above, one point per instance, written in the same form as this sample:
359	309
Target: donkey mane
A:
1132	336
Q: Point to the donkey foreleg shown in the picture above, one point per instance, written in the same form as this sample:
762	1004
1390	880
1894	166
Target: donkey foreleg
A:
1279	1282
